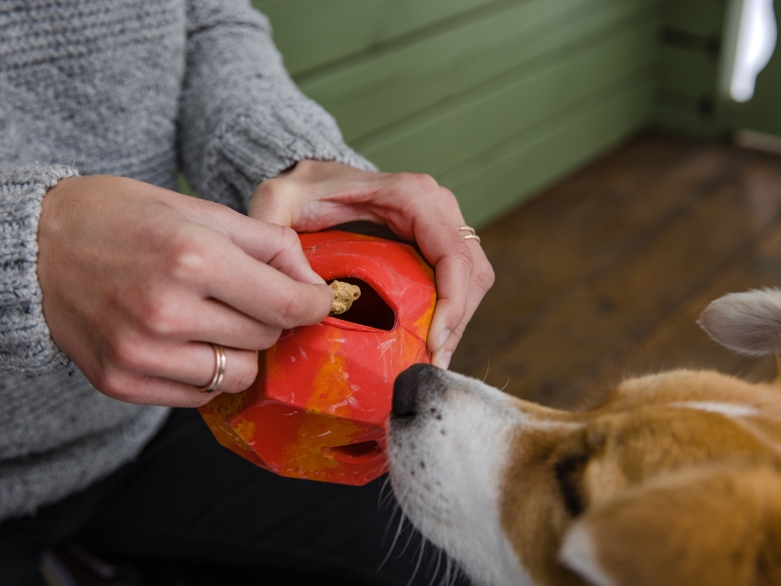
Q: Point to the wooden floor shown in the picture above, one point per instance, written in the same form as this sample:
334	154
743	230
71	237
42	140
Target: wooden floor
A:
604	275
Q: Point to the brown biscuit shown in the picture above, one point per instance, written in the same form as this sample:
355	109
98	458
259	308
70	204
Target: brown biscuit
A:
344	295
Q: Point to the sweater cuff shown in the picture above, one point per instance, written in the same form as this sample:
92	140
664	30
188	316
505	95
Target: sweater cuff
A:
260	144
26	345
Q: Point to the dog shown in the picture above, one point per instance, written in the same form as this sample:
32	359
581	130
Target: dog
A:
675	479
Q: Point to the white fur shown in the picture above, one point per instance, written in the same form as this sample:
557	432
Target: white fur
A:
748	323
728	409
453	497
577	553
447	463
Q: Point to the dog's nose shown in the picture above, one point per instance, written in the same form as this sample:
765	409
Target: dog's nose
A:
406	389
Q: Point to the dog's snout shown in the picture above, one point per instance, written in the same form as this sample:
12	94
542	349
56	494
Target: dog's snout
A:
406	389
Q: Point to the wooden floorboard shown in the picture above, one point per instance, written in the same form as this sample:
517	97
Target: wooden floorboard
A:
605	274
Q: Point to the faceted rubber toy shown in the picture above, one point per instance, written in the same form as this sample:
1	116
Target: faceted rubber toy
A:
319	406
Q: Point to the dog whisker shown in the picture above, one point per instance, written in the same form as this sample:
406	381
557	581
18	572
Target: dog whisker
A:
395	540
420	559
410	537
436	569
386	500
385	494
396	509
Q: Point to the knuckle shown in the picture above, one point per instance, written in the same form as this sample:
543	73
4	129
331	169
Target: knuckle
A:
415	183
247	373
448	196
485	277
128	355
112	383
288	238
159	316
423	182
458	332
298	308
266	338
273	189
289	314
463	259
454	339
186	258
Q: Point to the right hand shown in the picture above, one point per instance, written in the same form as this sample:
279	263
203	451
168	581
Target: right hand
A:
137	281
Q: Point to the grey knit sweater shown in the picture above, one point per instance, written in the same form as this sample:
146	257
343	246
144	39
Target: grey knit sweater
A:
138	88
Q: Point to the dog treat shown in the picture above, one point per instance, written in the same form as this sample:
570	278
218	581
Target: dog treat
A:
344	295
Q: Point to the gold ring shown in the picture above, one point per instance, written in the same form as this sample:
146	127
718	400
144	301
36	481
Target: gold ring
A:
220	362
472	234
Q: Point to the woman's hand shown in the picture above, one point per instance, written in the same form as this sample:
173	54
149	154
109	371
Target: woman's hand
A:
316	195
138	280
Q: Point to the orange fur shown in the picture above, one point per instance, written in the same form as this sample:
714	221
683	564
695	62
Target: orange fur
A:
636	438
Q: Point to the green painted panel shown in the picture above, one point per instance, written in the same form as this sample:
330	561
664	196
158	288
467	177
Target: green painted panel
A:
704	18
312	33
512	172
475	121
689	73
495	98
688	121
386	87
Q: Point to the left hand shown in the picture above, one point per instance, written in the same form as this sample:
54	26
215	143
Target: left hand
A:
317	195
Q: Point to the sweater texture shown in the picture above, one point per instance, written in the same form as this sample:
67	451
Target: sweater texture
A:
141	89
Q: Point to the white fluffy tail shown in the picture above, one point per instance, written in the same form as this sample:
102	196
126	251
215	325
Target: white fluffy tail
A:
748	323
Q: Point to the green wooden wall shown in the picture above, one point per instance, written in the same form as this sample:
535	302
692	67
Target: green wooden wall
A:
494	98
691	48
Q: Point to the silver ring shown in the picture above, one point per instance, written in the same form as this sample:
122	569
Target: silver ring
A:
472	237
220	361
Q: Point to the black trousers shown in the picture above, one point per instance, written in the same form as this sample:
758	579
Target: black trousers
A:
188	500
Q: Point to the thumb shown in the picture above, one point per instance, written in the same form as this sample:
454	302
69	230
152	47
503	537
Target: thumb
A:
275	201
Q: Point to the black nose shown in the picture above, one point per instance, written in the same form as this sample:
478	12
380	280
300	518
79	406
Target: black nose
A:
406	389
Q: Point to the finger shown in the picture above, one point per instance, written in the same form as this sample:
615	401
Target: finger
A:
219	269
481	281
269	243
279	247
442	245
453	273
318	194
266	294
275	201
192	364
209	319
145	390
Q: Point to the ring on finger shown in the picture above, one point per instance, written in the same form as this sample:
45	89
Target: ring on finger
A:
220	362
472	235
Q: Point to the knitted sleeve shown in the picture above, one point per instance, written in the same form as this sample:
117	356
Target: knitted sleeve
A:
26	345
242	119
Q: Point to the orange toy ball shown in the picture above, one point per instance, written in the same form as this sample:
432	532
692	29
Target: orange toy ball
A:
319	406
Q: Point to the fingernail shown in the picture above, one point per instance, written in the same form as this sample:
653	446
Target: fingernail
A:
443	360
442	339
316	279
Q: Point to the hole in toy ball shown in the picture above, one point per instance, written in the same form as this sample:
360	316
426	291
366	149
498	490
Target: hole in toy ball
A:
355	452
369	309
